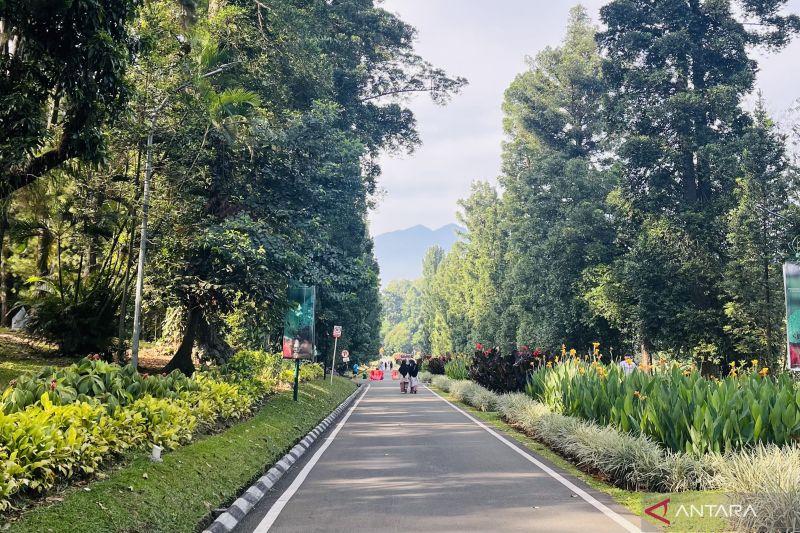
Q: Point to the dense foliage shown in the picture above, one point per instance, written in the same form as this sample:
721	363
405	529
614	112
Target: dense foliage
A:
643	205
500	372
266	121
64	423
676	407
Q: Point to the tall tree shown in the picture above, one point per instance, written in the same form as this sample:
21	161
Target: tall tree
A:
62	78
677	71
556	182
760	229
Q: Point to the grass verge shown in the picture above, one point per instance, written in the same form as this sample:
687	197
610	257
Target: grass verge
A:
20	354
636	502
179	494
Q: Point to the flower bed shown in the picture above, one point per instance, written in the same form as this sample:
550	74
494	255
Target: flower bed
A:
678	408
766	476
62	423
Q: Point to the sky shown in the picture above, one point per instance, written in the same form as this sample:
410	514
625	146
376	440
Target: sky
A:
487	41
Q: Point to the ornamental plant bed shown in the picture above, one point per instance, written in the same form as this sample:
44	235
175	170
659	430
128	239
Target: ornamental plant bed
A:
676	407
63	424
180	494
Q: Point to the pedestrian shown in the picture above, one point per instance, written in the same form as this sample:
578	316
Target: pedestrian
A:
413	371
628	366
404	376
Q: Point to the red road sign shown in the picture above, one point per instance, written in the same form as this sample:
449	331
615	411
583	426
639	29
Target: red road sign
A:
337	332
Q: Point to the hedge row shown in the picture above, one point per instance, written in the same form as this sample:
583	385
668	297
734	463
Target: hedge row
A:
62	423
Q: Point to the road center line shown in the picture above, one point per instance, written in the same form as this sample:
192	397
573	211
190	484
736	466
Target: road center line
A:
591	500
281	502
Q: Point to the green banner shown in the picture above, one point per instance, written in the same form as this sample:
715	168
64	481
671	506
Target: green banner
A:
298	324
791	282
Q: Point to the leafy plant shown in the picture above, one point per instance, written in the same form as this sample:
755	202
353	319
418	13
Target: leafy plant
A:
435	365
501	373
457	368
676	407
61	423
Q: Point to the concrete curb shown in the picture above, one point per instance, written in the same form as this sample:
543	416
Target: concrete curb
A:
245	503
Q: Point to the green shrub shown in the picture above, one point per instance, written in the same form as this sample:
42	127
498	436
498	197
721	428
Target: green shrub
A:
308	371
46	443
632	462
61	423
679	409
80	325
256	371
218	399
768	478
482	399
457	369
92	379
441	382
167	422
460	389
435	365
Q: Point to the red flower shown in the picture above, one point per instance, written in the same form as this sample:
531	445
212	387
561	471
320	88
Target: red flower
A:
53	384
478	346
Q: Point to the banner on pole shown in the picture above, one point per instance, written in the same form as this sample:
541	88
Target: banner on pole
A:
791	283
298	324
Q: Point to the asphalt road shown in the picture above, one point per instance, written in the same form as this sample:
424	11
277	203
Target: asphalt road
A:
415	463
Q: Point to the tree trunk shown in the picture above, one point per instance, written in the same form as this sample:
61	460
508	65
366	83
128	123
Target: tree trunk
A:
123	306
182	360
213	346
43	256
646	348
5	253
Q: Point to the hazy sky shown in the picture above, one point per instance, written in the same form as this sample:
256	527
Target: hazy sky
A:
487	41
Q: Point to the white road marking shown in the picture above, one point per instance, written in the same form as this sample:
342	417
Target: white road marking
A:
278	506
591	500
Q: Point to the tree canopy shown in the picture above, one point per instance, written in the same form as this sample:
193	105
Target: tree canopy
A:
640	205
267	121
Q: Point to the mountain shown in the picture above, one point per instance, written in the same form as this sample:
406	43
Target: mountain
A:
400	252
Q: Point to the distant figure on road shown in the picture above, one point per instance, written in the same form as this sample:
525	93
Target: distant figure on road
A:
413	371
404	376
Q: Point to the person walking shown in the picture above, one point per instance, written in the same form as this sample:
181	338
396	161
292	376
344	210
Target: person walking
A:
403	377
413	371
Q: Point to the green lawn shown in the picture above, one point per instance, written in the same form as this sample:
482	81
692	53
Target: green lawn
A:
179	494
20	354
636	502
